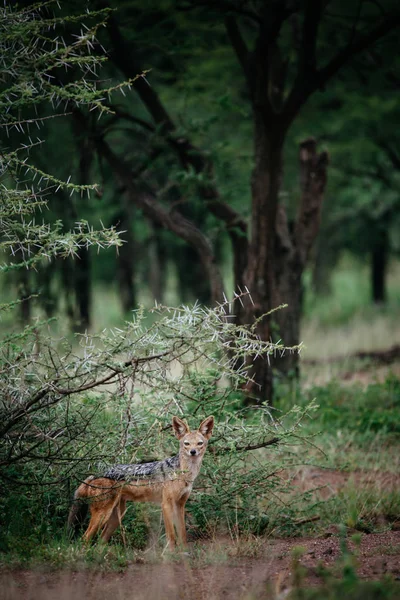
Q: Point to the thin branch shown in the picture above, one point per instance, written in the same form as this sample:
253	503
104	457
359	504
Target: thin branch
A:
306	520
122	114
240	48
312	18
303	88
391	153
248	447
389	23
223	6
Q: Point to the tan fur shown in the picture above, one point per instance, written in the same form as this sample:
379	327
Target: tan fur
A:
108	498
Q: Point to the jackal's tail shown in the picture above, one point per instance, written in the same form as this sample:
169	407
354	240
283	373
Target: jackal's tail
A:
79	508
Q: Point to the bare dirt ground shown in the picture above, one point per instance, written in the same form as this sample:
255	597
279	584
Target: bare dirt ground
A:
235	577
328	482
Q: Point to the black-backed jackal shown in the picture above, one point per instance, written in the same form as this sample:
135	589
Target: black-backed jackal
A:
168	482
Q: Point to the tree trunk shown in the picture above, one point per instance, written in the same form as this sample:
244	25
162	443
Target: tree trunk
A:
260	278
278	255
126	256
83	289
48	299
193	282
292	251
379	258
158	264
288	270
82	270
24	295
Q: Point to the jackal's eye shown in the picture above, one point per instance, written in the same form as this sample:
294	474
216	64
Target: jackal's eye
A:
186	443
200	443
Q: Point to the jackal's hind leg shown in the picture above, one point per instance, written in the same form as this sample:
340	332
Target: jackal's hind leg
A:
96	520
100	513
114	520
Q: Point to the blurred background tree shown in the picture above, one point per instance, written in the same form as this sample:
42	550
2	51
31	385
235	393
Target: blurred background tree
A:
210	164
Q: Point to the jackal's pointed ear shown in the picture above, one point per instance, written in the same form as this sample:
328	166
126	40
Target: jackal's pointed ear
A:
206	427
180	427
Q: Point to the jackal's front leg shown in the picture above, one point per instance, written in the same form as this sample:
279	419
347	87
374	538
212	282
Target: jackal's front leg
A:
168	514
179	510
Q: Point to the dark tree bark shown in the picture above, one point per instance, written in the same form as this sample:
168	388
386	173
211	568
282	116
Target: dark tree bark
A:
193	282
83	289
293	249
126	255
380	241
277	278
379	260
24	295
48	299
67	277
158	265
326	257
260	276
82	266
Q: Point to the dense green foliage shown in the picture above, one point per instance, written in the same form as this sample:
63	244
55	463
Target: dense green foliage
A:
31	57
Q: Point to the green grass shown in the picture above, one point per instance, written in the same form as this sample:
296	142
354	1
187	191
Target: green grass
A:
350	293
353	454
63	554
345	321
363	508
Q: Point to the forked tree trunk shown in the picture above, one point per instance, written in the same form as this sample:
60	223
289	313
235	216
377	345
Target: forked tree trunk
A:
292	251
260	278
278	254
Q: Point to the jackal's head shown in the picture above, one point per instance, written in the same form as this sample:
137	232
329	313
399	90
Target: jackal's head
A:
193	443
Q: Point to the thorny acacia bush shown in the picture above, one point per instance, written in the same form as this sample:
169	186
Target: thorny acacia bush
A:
68	412
48	69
